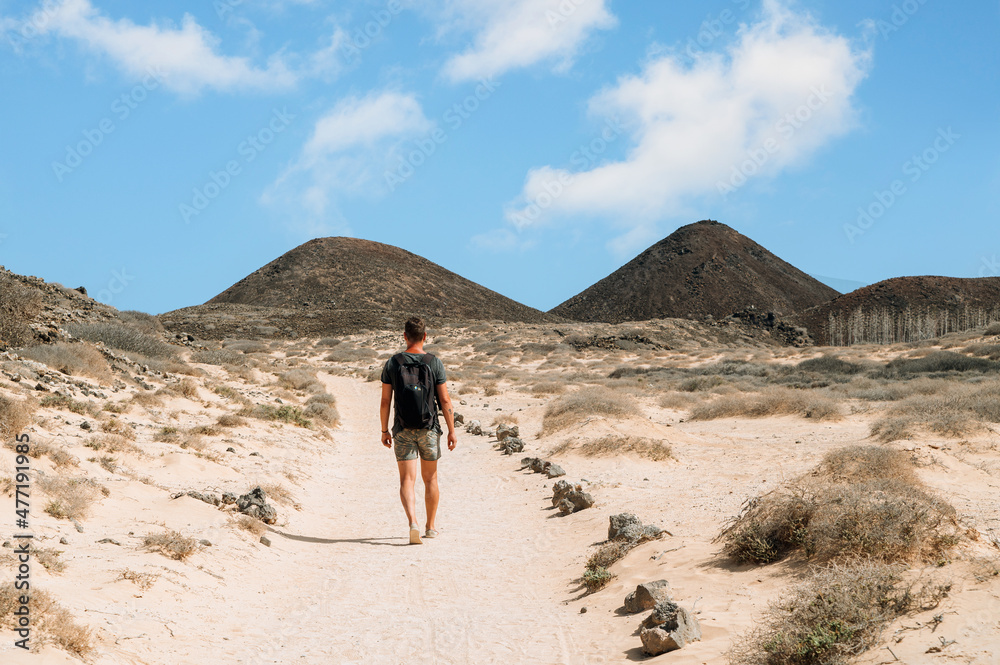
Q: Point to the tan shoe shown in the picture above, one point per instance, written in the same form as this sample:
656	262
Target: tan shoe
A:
415	535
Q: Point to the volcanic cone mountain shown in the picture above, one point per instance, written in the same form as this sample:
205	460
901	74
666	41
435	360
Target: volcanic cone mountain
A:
341	285
701	269
904	309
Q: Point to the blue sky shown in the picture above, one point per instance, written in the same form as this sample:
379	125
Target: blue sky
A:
158	153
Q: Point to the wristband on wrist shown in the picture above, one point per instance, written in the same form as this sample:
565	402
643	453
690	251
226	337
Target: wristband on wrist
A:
385	431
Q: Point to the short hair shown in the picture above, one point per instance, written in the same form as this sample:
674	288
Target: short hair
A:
415	329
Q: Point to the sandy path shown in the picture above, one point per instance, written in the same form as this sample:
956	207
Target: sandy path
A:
478	593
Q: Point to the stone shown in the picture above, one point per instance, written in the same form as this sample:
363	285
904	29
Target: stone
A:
207	497
229	498
254	504
459	418
504	431
230	449
625	526
538	465
646	596
511	445
79	527
554	470
205	542
82	290
669	627
264	540
570	498
8	544
111	541
85	425
63	541
474	427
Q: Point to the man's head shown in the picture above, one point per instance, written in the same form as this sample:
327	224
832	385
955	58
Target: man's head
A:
415	330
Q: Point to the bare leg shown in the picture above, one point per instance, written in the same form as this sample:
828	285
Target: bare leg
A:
428	471
407	480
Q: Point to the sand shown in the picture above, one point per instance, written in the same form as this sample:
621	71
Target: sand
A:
340	584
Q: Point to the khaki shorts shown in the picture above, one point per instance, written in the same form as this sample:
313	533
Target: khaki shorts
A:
409	442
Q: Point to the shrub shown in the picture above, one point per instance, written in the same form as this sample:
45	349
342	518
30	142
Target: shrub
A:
49	558
941	361
123	337
962	410
187	388
18	305
596	579
220	357
246	346
993	329
71	359
171	544
118	427
141	321
612	445
860	502
144	581
771	402
830	365
251	524
67	403
51	623
231	420
300	379
548	388
701	383
570	409
15	415
607	554
285	413
837	613
69	499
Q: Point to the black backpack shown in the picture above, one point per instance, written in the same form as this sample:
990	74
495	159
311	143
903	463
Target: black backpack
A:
415	395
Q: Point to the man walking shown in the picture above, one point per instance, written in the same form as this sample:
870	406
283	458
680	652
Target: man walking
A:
413	382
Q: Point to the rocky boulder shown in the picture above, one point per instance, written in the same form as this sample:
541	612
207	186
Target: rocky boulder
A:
570	498
647	596
254	503
504	430
510	445
669	627
474	427
538	465
627	527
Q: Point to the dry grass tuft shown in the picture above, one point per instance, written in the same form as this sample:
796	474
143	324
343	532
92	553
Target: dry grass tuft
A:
15	415
957	411
72	359
575	407
772	401
171	544
861	502
118	428
66	403
231	420
69	498
51	623
836	614
251	524
614	445
144	581
49	558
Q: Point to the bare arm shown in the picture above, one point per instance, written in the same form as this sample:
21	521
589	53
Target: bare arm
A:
384	413
444	399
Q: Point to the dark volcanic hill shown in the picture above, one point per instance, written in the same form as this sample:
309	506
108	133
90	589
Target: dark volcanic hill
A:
341	285
904	309
700	269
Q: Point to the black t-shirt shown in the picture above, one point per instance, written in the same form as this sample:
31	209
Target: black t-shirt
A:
390	375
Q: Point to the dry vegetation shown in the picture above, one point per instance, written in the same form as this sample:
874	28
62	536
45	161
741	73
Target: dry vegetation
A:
576	407
74	359
614	445
837	613
170	543
50	622
860	502
15	415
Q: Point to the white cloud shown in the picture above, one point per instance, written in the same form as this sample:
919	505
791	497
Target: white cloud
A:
349	150
780	92
519	33
186	57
